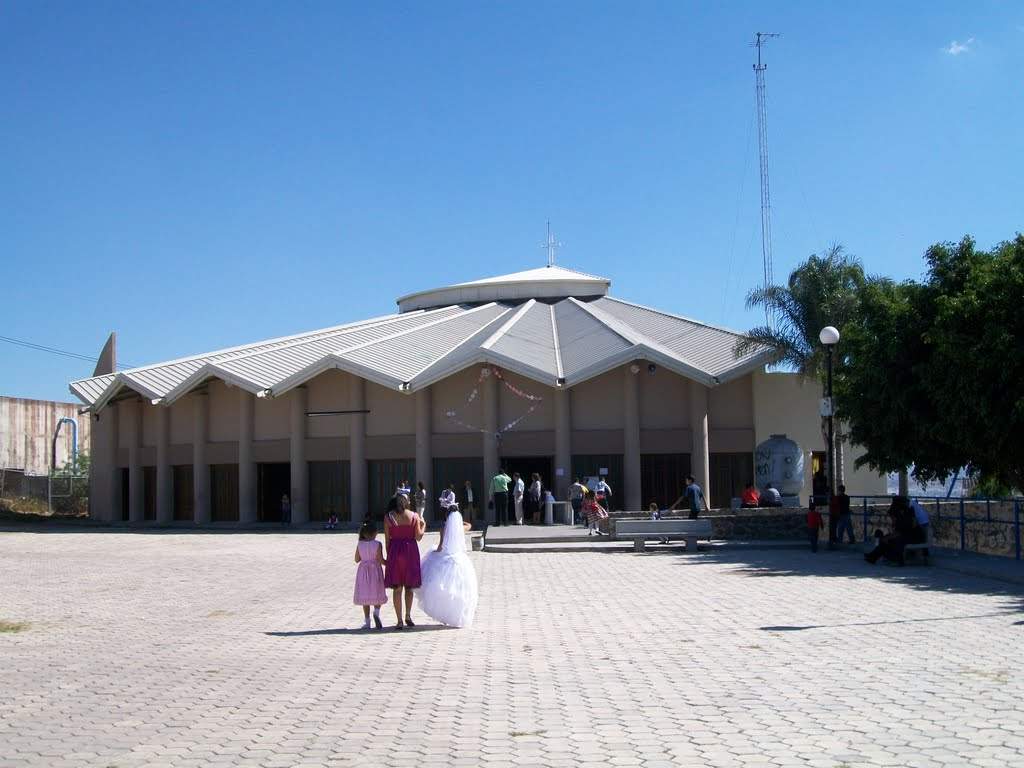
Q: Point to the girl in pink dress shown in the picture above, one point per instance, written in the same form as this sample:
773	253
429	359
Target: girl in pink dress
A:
370	574
402	529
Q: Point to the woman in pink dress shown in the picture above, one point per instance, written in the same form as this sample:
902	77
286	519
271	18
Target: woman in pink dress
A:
370	574
402	529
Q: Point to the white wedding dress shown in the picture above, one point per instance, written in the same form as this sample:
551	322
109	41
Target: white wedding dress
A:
448	593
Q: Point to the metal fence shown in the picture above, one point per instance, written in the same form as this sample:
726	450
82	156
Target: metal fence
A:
988	526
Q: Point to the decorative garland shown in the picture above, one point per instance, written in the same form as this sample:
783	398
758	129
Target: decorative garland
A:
486	371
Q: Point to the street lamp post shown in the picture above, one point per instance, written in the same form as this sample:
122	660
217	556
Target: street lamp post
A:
829	337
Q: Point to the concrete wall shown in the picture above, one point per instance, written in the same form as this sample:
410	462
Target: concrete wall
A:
597	403
741	414
26	433
787	403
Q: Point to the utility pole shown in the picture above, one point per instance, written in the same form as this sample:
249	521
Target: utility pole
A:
760	38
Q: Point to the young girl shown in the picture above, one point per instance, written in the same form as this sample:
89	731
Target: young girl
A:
370	574
656	515
449	593
595	513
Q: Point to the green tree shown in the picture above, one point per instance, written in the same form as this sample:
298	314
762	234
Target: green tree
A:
821	291
932	373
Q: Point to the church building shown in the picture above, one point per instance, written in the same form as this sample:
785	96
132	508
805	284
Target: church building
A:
538	371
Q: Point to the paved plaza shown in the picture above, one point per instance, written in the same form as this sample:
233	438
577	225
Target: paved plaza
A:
209	649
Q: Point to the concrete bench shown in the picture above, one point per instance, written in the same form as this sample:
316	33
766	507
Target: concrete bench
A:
642	530
923	547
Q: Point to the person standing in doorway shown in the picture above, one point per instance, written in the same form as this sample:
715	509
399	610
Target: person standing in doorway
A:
286	510
603	491
421	499
518	489
535	494
499	495
447	500
576	493
467	500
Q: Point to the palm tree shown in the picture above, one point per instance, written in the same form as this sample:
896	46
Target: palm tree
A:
821	291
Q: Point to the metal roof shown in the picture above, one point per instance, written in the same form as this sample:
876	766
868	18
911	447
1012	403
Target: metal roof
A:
558	343
549	282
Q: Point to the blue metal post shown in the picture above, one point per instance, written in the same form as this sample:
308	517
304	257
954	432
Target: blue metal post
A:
1016	528
866	519
963	527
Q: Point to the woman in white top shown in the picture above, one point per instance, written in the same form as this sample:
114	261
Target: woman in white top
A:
535	497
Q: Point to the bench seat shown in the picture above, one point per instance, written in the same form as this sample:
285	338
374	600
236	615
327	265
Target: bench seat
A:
640	531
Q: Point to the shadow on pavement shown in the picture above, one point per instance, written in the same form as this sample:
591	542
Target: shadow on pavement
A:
361	631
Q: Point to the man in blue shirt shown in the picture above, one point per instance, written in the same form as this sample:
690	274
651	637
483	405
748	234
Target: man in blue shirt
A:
694	497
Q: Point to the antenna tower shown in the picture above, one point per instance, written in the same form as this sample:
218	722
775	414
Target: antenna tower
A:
760	38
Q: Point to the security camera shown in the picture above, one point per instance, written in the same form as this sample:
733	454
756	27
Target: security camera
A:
651	368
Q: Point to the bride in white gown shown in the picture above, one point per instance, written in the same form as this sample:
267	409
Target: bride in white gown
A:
449	591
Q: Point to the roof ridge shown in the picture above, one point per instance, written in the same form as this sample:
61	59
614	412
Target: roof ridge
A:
674	316
249	346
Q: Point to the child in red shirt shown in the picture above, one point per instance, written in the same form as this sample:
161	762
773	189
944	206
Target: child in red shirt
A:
814	524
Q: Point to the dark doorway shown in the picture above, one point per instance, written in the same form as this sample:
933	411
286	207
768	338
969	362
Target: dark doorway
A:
184	492
526	466
457	472
125	494
149	493
224	493
384	477
590	465
730	472
662	477
272	482
329	484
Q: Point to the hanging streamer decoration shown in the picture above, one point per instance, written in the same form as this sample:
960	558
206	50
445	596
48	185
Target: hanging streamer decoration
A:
486	371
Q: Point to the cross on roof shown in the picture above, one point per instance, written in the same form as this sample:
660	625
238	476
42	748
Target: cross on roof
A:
551	245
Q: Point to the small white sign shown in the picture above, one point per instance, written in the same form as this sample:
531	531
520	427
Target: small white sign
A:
826	406
603	471
559	472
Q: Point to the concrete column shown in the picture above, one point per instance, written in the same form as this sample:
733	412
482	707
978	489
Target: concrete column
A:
200	465
563	443
300	469
631	438
136	493
246	465
489	401
700	459
104	479
164	481
424	454
359	500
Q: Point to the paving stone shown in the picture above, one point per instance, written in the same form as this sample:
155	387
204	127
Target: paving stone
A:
178	649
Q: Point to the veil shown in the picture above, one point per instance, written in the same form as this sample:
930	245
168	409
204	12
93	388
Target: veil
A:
454	540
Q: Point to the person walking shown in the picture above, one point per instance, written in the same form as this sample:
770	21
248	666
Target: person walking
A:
814	524
694	497
845	525
603	492
518	489
576	493
499	496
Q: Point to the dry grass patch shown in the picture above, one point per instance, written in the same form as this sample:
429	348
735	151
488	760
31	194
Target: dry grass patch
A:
13	626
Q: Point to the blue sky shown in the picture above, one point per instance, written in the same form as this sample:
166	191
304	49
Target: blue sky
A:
201	175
